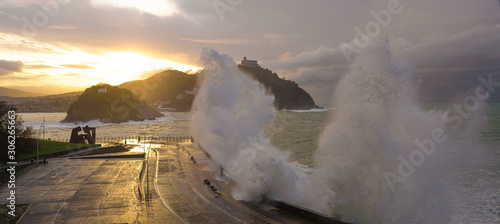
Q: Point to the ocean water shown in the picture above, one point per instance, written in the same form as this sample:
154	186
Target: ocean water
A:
172	124
298	132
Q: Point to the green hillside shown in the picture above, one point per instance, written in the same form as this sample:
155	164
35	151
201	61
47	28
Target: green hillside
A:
168	89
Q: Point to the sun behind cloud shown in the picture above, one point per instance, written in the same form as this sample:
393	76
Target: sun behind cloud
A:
160	8
24	65
127	66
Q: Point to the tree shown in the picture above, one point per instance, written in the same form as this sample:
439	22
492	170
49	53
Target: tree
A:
22	142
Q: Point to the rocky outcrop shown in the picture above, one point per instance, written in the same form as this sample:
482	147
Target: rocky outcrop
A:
110	104
287	93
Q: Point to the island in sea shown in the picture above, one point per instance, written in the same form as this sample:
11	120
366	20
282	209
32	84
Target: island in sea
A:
109	104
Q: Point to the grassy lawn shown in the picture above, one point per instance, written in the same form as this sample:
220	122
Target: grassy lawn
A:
47	147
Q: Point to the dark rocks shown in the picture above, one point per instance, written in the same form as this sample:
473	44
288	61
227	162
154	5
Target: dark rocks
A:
287	93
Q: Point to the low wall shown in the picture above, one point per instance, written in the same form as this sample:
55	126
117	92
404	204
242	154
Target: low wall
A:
303	212
294	209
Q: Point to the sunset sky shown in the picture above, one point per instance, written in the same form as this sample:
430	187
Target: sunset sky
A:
55	46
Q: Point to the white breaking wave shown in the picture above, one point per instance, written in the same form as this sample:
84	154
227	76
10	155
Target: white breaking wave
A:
229	111
370	168
382	159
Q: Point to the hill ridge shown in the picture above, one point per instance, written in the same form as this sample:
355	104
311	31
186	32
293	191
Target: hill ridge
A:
4	91
176	90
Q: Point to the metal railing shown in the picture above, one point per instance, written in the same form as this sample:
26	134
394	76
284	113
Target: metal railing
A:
180	139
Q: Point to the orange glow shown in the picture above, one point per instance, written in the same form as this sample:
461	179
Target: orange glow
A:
71	67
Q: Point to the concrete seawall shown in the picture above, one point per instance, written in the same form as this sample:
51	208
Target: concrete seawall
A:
295	209
303	212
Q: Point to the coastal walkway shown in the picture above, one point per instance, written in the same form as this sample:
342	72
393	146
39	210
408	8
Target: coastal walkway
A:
114	190
180	185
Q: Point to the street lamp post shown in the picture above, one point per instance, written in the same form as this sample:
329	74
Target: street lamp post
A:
147	167
37	139
43	128
145	134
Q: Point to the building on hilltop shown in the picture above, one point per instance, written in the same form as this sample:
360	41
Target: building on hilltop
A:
252	63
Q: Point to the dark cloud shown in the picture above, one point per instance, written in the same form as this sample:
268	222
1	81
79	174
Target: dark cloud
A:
10	67
275	38
448	41
446	64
